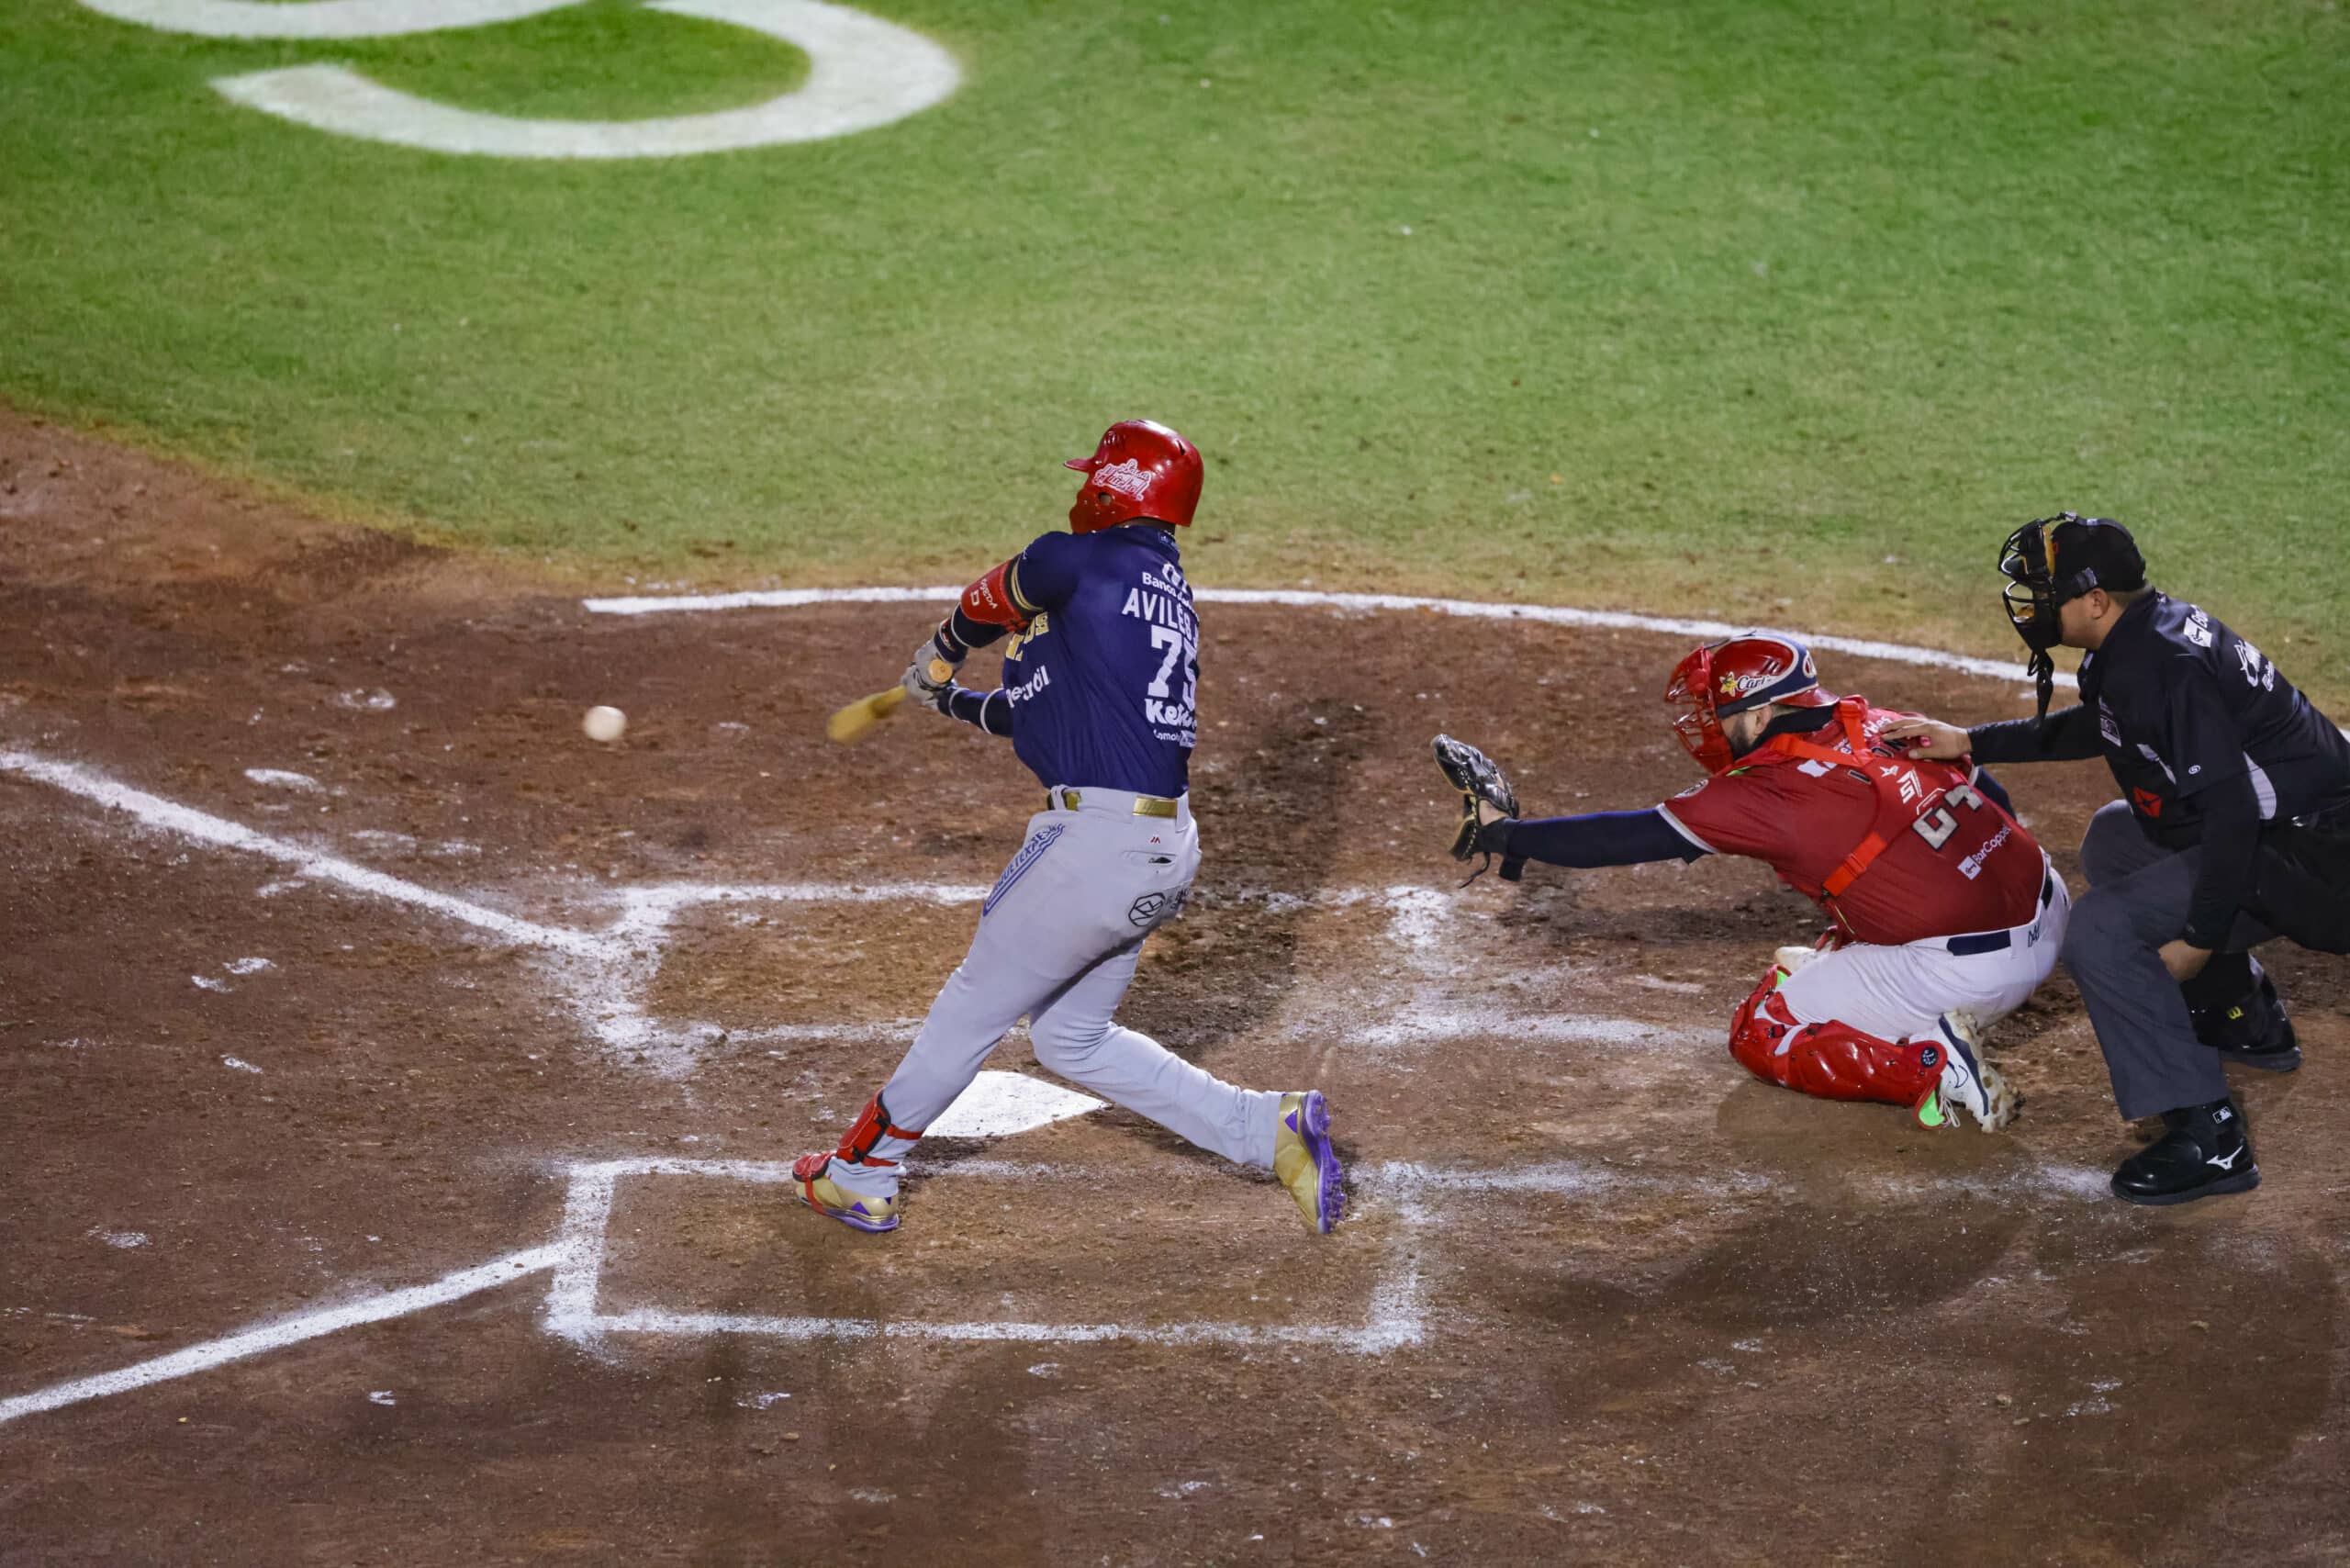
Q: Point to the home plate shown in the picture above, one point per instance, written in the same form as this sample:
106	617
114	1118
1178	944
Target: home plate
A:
998	1105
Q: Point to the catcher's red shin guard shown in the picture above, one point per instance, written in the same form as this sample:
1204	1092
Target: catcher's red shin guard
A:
1833	1061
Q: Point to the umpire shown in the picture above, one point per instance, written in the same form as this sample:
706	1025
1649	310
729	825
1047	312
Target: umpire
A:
2234	827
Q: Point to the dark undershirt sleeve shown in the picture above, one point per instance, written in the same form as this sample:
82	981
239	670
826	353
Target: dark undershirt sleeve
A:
2230	849
1994	792
990	710
2071	736
967	634
1600	838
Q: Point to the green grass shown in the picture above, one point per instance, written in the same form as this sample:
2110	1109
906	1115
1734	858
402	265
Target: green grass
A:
1776	291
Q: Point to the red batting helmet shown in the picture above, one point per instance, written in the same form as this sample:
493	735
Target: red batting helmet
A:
1141	469
1722	679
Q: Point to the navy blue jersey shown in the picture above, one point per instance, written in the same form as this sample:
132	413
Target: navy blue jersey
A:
1103	684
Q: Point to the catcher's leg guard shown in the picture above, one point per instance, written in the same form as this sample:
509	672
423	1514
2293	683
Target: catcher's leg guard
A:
1831	1061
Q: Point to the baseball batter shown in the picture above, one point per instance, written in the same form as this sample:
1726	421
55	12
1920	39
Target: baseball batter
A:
1101	679
1946	914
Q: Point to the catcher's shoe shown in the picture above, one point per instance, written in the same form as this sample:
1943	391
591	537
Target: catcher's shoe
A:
834	1200
1305	1161
1968	1082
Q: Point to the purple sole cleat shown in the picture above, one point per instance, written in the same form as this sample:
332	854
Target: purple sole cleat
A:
1306	1163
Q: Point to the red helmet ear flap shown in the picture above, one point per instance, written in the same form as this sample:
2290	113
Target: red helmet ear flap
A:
1690	693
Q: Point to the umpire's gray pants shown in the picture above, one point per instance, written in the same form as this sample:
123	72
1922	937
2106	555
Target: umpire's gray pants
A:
2137	900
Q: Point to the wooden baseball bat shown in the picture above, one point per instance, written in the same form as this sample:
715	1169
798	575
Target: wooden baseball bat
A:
856	720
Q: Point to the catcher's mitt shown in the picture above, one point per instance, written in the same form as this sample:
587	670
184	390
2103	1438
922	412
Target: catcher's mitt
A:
1488	806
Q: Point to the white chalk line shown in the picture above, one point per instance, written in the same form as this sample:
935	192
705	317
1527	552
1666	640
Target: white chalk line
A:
603	973
287	1331
1396	1315
154	811
1395	1318
1308	599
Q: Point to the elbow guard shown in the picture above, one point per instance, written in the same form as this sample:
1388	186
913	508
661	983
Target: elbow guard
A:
993	601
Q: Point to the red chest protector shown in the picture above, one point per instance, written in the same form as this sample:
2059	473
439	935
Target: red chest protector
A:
1905	790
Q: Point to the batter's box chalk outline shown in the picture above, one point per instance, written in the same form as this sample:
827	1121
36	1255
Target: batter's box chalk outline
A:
602	975
1396	1316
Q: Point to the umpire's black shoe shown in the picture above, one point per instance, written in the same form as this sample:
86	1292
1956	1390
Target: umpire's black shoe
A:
2253	1030
2204	1154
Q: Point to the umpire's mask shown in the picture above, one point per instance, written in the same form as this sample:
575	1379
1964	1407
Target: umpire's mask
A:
2052	559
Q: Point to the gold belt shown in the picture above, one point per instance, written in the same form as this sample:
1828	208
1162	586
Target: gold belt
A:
1144	805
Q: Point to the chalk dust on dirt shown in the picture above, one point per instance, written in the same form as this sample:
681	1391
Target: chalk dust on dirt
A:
1679	1318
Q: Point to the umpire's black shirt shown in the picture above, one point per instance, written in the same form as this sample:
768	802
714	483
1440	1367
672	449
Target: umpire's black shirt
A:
2206	738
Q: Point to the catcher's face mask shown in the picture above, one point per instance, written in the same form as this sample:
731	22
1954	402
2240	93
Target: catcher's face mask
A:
1691	696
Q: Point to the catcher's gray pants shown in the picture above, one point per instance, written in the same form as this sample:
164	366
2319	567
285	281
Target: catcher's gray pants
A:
2137	900
1057	942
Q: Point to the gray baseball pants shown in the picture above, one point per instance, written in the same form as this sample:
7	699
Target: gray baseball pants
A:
2137	900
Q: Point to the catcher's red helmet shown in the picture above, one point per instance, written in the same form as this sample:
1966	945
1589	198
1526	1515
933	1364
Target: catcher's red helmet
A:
1722	679
1141	469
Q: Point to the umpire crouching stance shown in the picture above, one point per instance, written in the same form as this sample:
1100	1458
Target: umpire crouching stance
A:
2234	828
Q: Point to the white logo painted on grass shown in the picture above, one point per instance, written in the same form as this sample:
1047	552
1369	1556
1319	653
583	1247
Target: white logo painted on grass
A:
862	73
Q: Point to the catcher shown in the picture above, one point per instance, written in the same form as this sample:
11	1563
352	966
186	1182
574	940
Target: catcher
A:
1945	913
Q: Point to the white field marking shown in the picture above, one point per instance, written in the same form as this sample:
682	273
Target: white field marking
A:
206	982
603	974
1396	1316
999	1104
278	777
1472	609
1420	1023
2070	1181
321	19
1559	1179
123	1240
248	965
285	1332
863	73
153	810
238	1064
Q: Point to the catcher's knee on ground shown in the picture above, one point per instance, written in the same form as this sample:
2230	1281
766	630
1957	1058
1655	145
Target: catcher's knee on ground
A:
1831	1061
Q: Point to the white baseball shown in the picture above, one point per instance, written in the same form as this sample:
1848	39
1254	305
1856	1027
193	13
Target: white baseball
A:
605	724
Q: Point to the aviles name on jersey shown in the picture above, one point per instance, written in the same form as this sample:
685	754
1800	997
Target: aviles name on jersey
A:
1171	699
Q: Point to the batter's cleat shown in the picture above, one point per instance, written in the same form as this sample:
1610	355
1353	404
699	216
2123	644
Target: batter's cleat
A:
2203	1154
1305	1161
834	1200
2253	1030
1968	1082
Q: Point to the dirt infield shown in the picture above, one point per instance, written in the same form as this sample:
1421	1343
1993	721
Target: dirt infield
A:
351	1000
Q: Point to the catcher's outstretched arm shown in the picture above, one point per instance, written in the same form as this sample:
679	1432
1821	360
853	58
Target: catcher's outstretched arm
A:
1598	838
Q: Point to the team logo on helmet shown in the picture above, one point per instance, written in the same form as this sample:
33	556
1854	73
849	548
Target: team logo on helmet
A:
1735	685
1126	478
